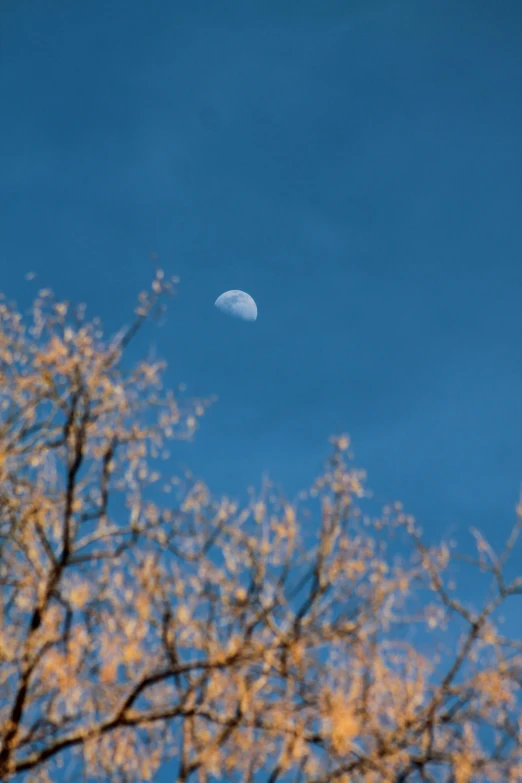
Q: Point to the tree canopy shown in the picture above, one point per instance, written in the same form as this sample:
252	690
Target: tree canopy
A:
143	620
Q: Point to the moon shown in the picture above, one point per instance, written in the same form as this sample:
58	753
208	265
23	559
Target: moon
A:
237	304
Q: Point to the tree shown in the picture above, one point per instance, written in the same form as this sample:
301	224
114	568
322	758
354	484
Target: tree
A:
142	620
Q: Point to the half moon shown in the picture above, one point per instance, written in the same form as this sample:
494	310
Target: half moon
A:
238	304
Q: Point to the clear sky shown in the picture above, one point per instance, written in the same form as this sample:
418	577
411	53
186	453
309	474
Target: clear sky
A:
354	166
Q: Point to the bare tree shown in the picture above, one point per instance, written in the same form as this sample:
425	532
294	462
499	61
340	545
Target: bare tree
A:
141	620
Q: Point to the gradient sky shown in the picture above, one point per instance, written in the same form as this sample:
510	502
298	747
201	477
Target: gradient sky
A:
354	166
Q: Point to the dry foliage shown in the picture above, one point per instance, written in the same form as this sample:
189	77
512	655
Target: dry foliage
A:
141	620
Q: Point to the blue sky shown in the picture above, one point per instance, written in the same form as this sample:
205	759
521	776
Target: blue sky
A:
354	166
